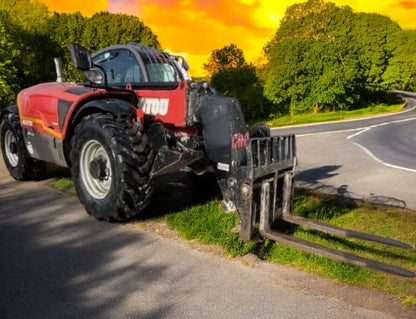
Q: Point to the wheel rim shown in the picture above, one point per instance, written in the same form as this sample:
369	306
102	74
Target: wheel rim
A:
97	184
11	153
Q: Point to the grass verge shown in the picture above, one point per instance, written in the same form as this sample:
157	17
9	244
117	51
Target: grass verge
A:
207	224
277	121
64	183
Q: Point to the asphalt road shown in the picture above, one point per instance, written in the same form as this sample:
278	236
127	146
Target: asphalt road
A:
371	159
57	262
353	125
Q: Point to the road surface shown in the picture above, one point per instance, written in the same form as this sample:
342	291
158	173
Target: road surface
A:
57	262
372	159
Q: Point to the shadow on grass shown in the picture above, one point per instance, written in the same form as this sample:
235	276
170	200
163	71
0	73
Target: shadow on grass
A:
176	192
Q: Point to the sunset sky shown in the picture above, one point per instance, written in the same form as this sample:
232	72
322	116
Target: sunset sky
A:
195	28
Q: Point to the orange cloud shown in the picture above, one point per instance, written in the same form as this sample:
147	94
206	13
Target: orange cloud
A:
200	24
124	6
197	27
407	4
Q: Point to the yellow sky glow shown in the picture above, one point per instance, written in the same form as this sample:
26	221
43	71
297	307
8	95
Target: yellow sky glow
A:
197	27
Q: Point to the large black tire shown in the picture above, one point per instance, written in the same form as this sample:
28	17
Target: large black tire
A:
17	159
260	130
111	167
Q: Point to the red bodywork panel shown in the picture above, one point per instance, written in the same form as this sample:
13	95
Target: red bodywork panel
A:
40	106
168	106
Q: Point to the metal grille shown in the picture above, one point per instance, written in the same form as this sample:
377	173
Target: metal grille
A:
270	154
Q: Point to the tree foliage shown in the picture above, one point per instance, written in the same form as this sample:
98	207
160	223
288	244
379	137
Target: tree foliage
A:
104	29
8	54
325	57
401	70
231	75
31	36
226	58
25	26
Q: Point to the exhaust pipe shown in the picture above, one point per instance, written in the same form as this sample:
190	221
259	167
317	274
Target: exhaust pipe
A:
59	70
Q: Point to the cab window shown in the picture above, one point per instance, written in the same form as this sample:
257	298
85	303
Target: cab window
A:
120	66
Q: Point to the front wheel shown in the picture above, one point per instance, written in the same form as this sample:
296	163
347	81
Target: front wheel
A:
18	161
110	168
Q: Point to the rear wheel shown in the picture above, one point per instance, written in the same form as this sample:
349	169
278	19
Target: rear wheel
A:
111	167
18	161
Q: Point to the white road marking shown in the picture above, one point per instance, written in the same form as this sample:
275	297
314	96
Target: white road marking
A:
362	130
368	152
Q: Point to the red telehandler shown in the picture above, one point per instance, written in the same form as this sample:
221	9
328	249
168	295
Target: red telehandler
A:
139	115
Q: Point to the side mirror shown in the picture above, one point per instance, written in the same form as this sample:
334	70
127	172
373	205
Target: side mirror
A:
80	56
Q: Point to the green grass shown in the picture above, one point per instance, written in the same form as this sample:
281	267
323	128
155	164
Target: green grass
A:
276	120
64	183
209	225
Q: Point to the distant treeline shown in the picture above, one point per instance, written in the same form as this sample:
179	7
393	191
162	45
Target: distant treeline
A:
322	57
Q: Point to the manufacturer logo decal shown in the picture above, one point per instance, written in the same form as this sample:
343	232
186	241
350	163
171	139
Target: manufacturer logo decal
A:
154	106
239	140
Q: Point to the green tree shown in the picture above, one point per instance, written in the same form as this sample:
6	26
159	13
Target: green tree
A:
64	29
401	70
30	16
373	34
28	23
231	75
8	54
104	29
325	57
31	36
24	46
228	57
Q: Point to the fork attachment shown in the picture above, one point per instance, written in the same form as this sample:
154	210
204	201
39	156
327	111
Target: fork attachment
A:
266	195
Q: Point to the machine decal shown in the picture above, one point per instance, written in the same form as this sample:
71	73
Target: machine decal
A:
154	106
239	140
